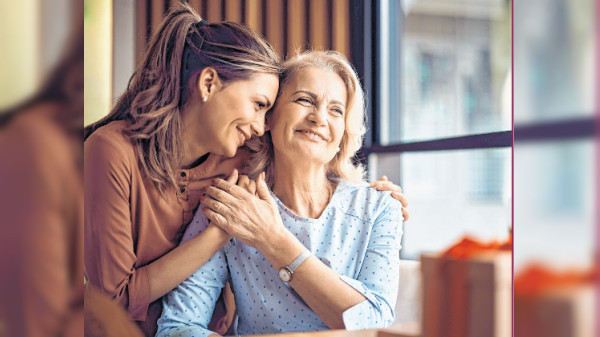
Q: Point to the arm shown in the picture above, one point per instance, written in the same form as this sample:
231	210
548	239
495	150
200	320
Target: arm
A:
343	302
109	253
334	298
188	308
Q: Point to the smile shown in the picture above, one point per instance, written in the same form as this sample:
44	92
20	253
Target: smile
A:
243	136
312	135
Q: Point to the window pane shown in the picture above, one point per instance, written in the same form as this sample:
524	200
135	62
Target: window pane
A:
554	60
445	69
555	204
450	194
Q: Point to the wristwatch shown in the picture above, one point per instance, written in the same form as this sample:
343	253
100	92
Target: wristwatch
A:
285	273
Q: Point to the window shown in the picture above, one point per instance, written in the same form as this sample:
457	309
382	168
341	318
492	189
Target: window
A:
440	108
556	192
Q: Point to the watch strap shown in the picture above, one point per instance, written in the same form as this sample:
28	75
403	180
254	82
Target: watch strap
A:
298	261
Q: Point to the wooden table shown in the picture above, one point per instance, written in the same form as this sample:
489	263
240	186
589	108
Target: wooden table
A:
400	330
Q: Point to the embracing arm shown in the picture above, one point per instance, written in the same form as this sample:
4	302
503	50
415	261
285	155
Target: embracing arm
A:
109	249
339	301
188	308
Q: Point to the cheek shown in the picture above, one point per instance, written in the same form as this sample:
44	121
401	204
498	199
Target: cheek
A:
340	129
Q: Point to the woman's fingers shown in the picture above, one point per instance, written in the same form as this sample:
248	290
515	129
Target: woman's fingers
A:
383	179
231	188
386	186
247	184
405	214
262	190
252	187
233	178
215	218
400	197
215	204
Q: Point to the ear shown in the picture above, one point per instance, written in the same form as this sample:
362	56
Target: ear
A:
208	82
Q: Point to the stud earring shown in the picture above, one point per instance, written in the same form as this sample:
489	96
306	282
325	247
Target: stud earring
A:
204	99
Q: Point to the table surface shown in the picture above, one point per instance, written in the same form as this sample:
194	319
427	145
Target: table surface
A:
398	330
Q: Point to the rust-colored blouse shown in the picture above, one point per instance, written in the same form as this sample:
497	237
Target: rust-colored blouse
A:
128	224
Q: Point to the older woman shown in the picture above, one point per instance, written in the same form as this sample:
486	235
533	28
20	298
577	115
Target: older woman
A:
319	252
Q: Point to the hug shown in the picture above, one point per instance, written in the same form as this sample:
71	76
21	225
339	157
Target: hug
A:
223	168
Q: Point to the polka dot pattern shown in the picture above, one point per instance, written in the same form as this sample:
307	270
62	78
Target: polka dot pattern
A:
358	236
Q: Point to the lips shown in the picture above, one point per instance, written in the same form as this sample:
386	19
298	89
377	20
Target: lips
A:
243	136
313	135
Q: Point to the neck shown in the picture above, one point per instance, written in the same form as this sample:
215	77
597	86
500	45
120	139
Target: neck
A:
304	189
193	152
193	148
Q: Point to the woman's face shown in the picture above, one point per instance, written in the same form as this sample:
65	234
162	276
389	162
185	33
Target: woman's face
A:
236	111
308	120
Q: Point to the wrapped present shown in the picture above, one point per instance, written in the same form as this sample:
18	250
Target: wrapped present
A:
467	290
553	304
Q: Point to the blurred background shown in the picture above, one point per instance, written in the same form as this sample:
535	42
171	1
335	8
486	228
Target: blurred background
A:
556	166
439	81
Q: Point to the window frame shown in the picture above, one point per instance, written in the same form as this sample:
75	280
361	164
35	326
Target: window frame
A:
366	54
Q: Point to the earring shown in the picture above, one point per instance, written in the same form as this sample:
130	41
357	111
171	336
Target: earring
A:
204	99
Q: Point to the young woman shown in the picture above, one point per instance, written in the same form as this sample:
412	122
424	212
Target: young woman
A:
200	92
320	251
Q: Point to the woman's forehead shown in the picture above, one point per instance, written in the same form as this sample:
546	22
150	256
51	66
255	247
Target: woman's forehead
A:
317	80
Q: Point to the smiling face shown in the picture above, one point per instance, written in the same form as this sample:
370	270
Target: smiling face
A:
233	113
308	120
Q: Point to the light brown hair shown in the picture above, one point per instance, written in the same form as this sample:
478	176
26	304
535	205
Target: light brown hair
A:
183	45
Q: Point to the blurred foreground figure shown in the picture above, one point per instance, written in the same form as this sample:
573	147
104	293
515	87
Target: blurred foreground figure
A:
105	318
41	204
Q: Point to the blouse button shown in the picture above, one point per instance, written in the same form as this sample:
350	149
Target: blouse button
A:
182	189
183	174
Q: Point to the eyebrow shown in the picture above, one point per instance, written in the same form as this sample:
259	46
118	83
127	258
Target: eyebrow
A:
314	96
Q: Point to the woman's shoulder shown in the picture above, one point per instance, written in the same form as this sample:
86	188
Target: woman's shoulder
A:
109	147
109	137
360	195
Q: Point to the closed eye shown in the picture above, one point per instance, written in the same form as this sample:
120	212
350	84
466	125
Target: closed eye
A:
304	100
338	111
260	105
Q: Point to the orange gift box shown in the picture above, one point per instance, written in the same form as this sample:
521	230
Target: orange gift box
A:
553	304
467	290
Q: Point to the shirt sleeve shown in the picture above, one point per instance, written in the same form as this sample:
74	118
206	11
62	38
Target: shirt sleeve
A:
379	274
109	248
187	309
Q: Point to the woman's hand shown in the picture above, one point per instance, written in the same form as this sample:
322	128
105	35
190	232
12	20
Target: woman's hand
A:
385	185
246	211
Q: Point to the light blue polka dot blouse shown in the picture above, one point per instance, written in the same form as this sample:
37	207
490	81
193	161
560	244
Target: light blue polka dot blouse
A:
357	235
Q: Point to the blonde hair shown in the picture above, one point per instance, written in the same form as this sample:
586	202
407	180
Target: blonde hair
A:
342	165
183	45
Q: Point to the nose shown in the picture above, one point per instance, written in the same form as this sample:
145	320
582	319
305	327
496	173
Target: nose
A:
319	115
258	126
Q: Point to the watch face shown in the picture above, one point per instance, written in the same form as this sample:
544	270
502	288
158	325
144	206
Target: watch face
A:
284	275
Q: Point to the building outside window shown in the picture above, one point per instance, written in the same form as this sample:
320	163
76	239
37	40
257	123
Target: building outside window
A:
441	116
